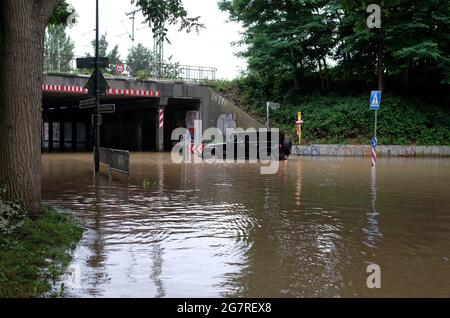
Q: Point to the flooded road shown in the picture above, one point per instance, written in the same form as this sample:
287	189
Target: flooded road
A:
198	230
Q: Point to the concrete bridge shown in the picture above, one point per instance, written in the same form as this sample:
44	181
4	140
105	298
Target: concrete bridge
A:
146	113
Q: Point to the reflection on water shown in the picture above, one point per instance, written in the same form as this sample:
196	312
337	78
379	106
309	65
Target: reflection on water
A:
200	230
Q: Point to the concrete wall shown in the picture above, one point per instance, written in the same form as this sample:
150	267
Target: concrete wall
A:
366	151
220	105
212	105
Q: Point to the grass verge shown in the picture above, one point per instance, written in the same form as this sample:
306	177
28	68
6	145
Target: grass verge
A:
36	254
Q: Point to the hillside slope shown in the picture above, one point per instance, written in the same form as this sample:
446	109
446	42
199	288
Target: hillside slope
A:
348	119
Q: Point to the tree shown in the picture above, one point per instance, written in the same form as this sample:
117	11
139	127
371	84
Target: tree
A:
413	39
22	27
159	13
102	46
143	63
291	41
287	40
113	56
58	49
140	60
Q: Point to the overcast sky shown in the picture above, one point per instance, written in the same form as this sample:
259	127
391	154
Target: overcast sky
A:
212	47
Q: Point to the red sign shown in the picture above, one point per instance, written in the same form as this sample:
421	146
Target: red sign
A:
120	68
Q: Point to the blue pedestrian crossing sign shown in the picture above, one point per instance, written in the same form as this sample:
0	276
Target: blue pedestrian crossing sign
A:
375	100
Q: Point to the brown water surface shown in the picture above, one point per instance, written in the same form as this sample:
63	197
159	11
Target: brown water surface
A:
311	230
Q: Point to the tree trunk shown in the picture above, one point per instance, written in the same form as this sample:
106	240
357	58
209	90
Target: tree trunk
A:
405	76
380	67
327	77
22	27
295	71
320	74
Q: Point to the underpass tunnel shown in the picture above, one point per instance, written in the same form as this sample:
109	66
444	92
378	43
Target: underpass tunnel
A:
176	117
134	126
66	127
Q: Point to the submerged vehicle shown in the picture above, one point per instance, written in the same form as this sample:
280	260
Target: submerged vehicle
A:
249	146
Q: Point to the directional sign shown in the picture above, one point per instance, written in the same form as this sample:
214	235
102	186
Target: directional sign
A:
375	100
273	105
89	62
87	103
103	84
107	108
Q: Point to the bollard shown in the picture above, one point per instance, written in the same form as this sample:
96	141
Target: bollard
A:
374	152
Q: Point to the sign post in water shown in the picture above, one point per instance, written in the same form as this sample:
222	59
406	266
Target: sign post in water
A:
375	103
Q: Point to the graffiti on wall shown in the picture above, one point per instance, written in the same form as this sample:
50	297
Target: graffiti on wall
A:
365	151
220	100
332	150
225	121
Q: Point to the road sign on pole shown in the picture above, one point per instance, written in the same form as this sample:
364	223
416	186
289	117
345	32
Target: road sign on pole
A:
87	103
375	100
274	106
120	68
89	62
102	84
375	104
107	108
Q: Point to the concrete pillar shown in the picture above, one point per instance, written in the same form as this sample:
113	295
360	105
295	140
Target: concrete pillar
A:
74	135
50	135
62	135
139	135
161	112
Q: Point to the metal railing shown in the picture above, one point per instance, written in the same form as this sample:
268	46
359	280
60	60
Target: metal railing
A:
117	160
157	71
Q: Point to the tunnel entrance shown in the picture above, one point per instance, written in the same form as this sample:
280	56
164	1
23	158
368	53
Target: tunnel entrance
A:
175	117
134	125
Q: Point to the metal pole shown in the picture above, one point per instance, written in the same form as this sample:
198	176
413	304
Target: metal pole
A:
132	32
268	117
376	123
97	95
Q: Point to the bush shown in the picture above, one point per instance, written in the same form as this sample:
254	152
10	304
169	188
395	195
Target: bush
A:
345	119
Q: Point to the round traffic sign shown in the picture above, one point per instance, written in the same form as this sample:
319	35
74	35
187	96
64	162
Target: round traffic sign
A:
120	68
374	142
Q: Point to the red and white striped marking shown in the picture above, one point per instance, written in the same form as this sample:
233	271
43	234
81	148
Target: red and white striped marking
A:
374	157
196	149
113	91
161	118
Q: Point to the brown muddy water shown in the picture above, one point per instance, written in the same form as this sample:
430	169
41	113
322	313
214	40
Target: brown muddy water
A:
311	230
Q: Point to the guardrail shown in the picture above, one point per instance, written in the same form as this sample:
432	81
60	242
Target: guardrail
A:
163	71
117	160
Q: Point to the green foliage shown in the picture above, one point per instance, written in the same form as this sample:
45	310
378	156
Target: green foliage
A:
61	14
58	50
159	13
113	55
290	44
35	255
144	63
346	119
320	57
11	214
